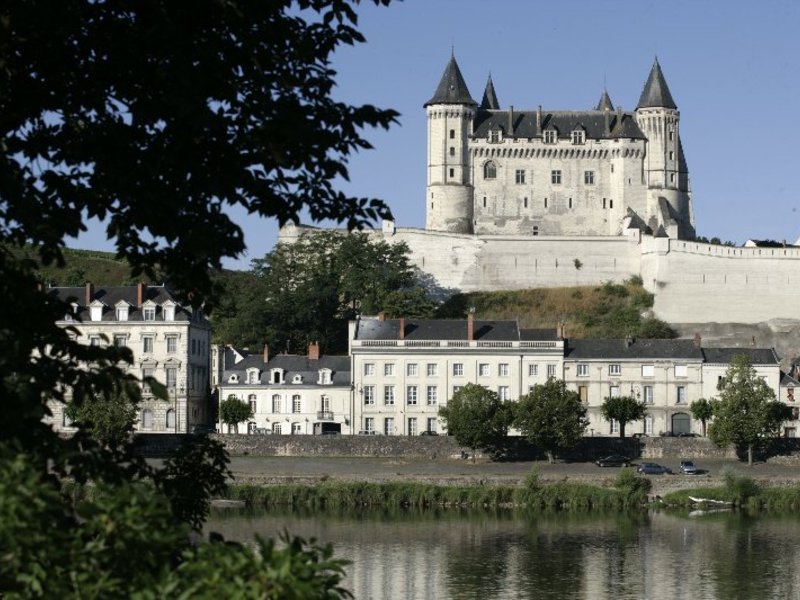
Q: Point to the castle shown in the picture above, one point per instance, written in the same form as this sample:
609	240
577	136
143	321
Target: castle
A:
527	199
536	172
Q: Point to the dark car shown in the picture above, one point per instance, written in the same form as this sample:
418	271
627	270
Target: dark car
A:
203	430
614	460
428	432
689	468
648	468
687	434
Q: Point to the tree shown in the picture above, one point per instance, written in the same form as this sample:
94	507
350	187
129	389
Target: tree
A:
155	118
623	410
477	418
233	411
109	418
551	417
702	410
746	412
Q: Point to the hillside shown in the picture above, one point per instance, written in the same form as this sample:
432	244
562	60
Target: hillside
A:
83	266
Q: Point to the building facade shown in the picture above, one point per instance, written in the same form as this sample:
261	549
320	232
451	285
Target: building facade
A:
170	342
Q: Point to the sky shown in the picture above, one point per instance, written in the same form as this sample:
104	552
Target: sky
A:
731	66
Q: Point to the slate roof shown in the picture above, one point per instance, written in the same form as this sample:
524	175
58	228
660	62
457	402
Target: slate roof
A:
605	102
437	329
538	335
292	365
490	97
757	356
110	295
452	87
618	348
621	125
787	380
656	92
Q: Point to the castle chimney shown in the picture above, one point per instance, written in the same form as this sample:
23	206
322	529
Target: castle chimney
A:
89	293
471	324
313	351
402	328
539	118
511	120
697	340
266	353
141	294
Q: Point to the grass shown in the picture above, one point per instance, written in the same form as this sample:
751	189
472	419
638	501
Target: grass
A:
742	492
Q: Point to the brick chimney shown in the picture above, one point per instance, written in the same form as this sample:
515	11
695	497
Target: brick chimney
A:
471	325
313	350
698	340
560	330
402	328
381	316
266	353
89	293
141	294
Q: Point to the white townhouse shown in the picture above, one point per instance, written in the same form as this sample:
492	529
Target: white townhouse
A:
169	341
291	394
405	369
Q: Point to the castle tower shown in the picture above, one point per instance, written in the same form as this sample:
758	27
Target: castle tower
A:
665	169
449	194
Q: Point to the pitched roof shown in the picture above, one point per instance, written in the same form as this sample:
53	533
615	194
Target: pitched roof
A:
614	348
452	88
757	356
490	101
436	329
293	364
620	125
656	91
605	102
111	295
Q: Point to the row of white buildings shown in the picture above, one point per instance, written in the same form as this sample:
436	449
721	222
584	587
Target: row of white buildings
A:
397	373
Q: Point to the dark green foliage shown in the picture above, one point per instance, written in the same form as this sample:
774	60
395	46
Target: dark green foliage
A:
108	417
635	488
739	487
623	409
233	411
477	418
702	410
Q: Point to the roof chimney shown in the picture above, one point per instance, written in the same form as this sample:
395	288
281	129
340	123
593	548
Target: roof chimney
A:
628	341
697	340
607	117
510	120
141	294
539	118
89	293
471	324
402	328
753	341
313	350
381	316
560	330
266	353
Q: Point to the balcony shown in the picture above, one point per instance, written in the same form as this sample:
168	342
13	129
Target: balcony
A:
324	415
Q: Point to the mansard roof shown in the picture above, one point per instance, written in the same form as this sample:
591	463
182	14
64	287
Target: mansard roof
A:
490	101
452	88
605	102
620	124
613	348
438	329
114	295
757	356
291	365
656	92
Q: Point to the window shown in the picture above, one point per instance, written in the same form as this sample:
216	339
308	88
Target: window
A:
489	172
483	370
431	395
588	177
252	376
325	403
613	391
452	152
296	403
671	135
452	173
411	369
503	392
525	202
146	372
194	346
276	428
277	404
121	340
369	424
519	176
681	371
615	370
452	134
671	155
648	394
494	136
388	369
583	393
169	312
94	340
122	313
412	426
550	136
648	371
388	426
458	369
431	423
648	425
147	419
251	400
570	202
172	344
555	178
583	370
369	368
502	369
614	427
411	394
551	371
388	395
325	376
369	394
578	136
535	230
170	419
533	370
172	377
431	369
297	429
149	313
681	398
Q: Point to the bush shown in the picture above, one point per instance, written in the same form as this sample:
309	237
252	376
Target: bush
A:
739	487
634	488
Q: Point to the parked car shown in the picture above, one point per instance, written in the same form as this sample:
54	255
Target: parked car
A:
648	468
688	434
613	460
428	432
203	430
640	435
689	468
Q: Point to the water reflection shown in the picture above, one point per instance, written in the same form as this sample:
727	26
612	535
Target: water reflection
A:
473	554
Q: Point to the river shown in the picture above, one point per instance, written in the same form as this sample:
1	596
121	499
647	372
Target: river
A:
453	554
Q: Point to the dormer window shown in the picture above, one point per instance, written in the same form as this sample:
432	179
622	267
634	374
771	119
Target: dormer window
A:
234	378
490	170
494	136
121	312
169	310
276	376
325	377
96	311
149	312
550	136
253	376
578	136
297	379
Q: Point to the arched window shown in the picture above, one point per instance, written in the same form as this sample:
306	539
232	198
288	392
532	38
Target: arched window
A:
489	170
147	419
170	419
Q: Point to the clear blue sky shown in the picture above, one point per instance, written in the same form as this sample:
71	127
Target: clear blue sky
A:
732	68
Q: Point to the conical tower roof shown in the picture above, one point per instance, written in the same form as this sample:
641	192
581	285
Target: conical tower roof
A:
452	88
656	92
489	101
605	102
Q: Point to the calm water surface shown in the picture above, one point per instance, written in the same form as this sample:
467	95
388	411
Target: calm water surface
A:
453	554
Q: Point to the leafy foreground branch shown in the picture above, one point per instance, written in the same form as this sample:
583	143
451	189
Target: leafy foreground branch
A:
629	491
